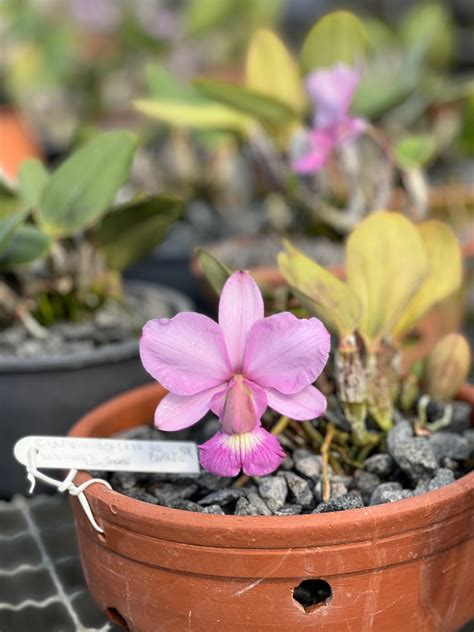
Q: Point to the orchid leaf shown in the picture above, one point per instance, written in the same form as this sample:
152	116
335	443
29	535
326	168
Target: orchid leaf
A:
267	110
338	37
214	270
195	115
386	265
28	245
85	185
9	224
320	291
415	151
444	277
447	366
33	179
272	71
129	232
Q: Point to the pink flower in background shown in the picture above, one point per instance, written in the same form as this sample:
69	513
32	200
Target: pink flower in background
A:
236	369
332	92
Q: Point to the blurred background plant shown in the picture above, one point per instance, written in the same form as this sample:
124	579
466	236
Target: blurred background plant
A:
63	240
223	86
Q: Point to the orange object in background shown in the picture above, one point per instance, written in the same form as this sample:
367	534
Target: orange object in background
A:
17	143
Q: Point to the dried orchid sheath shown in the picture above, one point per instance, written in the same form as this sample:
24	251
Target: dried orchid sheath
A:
331	91
236	369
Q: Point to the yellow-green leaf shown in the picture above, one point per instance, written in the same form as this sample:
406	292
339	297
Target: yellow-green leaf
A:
272	70
447	366
386	265
444	277
338	37
198	116
267	110
320	291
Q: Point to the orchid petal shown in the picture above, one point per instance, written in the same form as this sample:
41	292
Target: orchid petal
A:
307	404
242	407
241	304
321	143
350	128
286	353
186	354
258	453
176	412
332	91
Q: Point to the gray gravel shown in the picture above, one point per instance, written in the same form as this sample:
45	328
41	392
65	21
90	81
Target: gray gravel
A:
449	444
349	501
411	467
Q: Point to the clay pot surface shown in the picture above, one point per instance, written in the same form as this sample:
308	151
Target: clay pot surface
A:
402	566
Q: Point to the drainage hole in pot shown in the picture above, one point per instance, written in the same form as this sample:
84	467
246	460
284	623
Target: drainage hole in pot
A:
115	616
311	593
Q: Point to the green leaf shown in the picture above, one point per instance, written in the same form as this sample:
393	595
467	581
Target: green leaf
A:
162	84
9	224
198	116
33	179
27	245
271	70
204	15
129	232
386	264
214	270
388	78
267	110
443	279
447	367
429	28
84	186
320	292
414	151
338	37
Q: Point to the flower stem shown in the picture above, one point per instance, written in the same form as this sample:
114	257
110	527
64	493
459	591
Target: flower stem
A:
280	425
325	454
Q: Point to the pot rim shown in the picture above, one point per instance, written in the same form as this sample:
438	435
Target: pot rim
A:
106	354
389	519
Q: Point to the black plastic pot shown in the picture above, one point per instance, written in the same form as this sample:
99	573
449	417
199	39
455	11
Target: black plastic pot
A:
47	395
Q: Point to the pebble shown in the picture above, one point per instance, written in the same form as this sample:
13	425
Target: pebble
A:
187	505
258	505
273	490
299	489
125	481
289	510
401	432
167	493
389	493
287	464
449	444
310	466
380	492
243	508
365	483
214	510
469	436
342	503
222	496
442	477
393	496
379	464
212	482
461	420
415	456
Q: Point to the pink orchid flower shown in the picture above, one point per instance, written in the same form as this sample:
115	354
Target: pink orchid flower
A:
236	369
331	91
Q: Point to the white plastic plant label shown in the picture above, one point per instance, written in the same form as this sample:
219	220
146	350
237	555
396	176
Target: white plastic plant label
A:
119	455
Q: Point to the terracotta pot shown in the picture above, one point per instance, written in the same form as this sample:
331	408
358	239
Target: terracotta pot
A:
17	144
402	566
